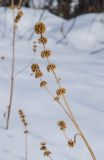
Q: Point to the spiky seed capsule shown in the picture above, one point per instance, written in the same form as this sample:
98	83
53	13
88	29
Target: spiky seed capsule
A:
71	143
62	125
60	91
35	67
51	67
43	83
43	40
47	153
38	74
40	28
45	53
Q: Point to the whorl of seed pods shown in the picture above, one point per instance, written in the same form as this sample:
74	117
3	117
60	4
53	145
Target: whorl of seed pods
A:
43	83
51	67
45	53
40	28
62	125
71	143
43	40
34	67
45	150
38	74
22	117
18	17
60	91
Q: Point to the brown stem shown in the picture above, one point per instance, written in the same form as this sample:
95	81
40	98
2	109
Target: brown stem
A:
26	148
12	71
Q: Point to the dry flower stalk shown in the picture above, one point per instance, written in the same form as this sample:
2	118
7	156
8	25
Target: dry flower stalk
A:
25	124
15	21
46	151
60	92
70	142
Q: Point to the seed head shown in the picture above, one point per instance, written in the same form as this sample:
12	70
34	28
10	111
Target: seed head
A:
71	143
43	40
47	153
51	67
45	53
38	74
62	125
40	28
34	67
60	91
43	83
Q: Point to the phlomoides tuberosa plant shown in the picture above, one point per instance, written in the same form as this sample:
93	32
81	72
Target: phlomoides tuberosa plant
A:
16	19
40	29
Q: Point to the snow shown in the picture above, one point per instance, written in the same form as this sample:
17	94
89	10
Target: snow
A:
81	72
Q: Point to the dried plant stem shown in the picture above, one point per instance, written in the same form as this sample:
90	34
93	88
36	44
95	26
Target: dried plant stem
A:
70	114
26	146
20	3
12	70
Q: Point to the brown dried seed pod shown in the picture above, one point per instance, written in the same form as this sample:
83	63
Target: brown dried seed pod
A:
43	83
51	67
38	74
62	125
20	13
34	67
22	116
45	53
56	98
60	91
71	143
40	28
43	40
43	147
47	153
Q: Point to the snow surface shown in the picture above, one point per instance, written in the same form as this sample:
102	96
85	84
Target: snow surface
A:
81	69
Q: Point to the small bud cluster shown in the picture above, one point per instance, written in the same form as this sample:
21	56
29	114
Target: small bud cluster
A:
18	17
23	119
45	150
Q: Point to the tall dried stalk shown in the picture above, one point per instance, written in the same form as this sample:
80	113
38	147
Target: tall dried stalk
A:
13	65
12	70
40	29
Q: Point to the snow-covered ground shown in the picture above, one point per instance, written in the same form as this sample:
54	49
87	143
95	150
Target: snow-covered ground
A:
81	69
